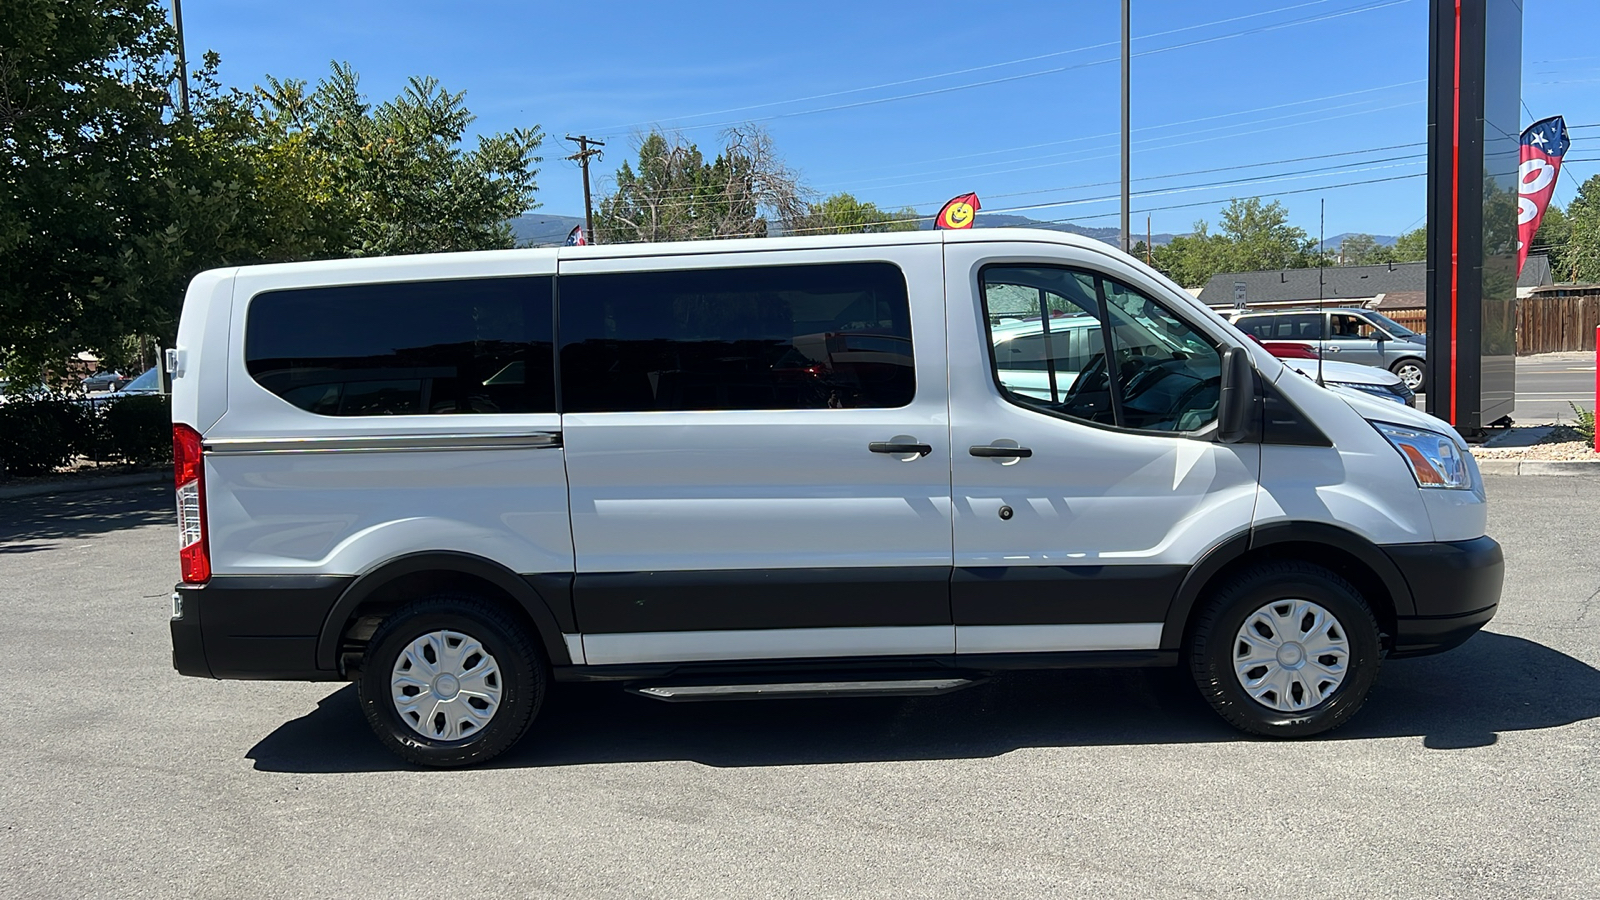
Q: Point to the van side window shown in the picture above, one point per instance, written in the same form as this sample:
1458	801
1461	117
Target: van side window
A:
777	337
408	348
1049	345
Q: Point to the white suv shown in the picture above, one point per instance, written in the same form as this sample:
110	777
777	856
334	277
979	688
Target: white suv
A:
785	467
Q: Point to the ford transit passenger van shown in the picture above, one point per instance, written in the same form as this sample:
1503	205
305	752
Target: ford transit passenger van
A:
882	464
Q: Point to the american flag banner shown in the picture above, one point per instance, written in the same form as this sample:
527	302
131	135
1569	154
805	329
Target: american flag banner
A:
576	237
1543	145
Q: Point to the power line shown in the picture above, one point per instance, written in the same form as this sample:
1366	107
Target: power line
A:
1242	112
1371	7
966	71
1164	141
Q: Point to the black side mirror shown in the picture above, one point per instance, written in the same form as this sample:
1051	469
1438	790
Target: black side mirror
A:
1237	402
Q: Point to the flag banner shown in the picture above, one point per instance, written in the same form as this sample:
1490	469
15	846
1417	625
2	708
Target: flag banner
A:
1543	145
575	237
958	213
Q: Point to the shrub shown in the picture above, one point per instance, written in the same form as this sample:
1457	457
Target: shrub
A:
1585	421
40	434
139	429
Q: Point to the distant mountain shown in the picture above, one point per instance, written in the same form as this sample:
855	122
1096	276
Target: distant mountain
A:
540	230
1333	243
1108	235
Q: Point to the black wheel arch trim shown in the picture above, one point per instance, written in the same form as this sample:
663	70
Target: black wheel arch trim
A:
530	599
1237	545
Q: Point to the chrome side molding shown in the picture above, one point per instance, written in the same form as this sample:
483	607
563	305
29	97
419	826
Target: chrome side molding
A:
384	443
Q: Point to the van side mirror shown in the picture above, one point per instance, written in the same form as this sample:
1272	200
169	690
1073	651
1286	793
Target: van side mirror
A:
1237	401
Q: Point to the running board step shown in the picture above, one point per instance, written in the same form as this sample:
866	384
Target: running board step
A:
914	687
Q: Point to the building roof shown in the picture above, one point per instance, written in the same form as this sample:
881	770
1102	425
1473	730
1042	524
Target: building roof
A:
1341	282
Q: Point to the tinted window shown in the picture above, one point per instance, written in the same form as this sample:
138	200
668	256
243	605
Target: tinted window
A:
1050	345
431	347
791	337
1290	327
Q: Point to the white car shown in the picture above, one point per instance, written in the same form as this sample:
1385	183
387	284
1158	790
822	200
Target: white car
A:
790	467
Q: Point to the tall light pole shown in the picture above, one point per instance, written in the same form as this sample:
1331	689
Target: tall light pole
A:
1127	236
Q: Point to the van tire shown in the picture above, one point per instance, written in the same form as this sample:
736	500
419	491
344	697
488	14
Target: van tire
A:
1257	595
517	671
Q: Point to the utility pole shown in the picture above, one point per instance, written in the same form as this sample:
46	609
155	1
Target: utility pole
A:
1147	258
1127	238
582	156
183	62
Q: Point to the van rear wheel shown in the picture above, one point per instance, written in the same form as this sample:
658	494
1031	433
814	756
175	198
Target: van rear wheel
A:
1285	649
451	680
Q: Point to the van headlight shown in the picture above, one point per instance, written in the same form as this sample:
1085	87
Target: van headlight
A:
1434	458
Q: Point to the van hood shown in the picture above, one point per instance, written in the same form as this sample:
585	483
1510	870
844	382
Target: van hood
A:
1374	410
1343	372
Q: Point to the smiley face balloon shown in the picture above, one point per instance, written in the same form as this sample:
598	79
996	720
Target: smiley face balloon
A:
958	213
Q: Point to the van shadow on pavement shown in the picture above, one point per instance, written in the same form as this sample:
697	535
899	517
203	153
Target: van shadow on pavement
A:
27	523
1465	698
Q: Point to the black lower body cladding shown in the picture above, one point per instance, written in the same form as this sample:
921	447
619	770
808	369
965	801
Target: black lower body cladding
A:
1456	587
254	626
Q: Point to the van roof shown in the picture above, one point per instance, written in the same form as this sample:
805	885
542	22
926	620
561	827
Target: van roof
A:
693	248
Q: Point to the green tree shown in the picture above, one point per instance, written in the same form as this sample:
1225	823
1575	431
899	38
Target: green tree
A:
675	195
1191	259
84	132
1553	236
1409	247
844	214
1260	237
1581	260
112	200
1250	237
1360	250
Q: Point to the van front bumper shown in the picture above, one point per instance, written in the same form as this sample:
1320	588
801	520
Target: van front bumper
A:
253	626
1455	586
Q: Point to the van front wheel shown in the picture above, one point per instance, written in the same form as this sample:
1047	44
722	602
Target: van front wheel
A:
1285	649
451	681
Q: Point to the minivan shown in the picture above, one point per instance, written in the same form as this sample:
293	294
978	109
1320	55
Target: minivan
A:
1362	336
802	466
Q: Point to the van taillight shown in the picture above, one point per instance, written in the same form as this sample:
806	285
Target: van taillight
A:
189	473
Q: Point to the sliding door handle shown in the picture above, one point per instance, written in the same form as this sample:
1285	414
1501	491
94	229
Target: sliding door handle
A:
893	447
987	452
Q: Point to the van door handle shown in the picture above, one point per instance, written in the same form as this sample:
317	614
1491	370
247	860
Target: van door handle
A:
986	451
890	447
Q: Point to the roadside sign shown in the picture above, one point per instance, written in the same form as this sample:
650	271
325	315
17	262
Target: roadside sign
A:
1238	295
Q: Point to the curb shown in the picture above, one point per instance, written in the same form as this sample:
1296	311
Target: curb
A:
86	484
1539	466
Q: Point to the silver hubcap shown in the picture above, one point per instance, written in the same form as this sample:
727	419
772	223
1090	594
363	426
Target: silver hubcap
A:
1291	655
1410	374
445	686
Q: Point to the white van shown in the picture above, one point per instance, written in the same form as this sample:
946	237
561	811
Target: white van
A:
789	467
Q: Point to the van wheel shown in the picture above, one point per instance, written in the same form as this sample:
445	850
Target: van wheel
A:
1285	649
1411	373
451	680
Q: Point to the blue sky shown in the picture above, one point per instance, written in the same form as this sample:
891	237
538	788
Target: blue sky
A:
908	104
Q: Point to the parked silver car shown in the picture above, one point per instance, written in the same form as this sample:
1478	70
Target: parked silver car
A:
1348	335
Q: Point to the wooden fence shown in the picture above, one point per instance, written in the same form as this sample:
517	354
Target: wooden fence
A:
1545	324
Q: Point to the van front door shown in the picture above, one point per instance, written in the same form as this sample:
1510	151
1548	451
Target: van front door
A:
1086	477
758	453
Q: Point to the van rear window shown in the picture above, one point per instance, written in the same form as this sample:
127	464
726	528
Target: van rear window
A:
834	336
410	348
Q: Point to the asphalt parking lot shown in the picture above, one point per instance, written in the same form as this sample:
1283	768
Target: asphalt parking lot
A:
1472	774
